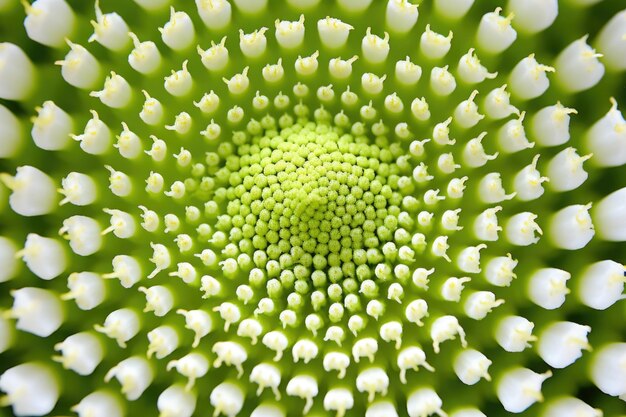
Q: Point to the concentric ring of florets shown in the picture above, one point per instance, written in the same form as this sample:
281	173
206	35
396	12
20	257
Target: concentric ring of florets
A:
321	229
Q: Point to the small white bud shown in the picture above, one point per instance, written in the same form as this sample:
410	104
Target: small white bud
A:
550	125
453	9
354	6
608	216
608	371
456	187
490	189
99	404
611	42
512	136
520	388
446	328
577	66
17	73
10	133
44	256
199	322
499	270
424	402
305	387
31	389
128	143
305	350
495	33
372	381
152	110
375	49
96	138
470	366
412	358
80	352
338	400
251	7
601	284
231	354
126	269
434	45
561	343
497	104
8	259
532	16
79	68
158	299
480	303
122	325
571	227
84	234
415	311
227	398
119	184
145	57
392	332
37	311
86	288
442	82
122	224
440	246
474	154
471	71
452	287
110	30
446	163
216	14
250	328
466	114
290	35
33	191
176	401
528	79
266	376
180	82
570	406
381	409
547	287
134	374
401	15
486	225
419	109
407	72
336	361
420	277
163	341
178	33
194	365
253	44
49	22
229	312
527	182
273	73
333	32
468	259
116	92
238	83
607	139
514	333
364	348
216	57
520	229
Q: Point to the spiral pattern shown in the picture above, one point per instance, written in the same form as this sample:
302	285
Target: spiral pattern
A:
311	207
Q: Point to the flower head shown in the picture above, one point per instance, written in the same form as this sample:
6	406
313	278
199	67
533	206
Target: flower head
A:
279	208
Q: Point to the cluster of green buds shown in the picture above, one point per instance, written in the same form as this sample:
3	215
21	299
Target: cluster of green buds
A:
312	207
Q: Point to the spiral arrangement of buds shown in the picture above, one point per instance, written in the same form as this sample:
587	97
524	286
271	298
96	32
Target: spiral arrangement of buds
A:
312	207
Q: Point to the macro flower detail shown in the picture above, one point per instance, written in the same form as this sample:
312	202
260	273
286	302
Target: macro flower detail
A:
305	207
